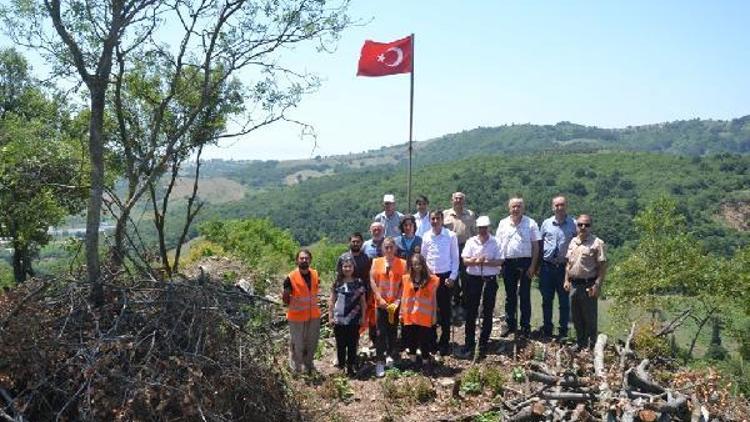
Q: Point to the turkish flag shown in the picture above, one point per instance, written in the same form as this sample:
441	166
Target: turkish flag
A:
382	59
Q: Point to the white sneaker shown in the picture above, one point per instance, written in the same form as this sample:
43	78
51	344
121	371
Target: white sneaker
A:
380	370
389	362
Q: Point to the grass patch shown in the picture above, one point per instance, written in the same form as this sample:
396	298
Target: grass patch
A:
407	386
337	388
477	379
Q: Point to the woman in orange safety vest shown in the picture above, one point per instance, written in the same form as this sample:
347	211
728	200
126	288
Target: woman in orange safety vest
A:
385	283
418	307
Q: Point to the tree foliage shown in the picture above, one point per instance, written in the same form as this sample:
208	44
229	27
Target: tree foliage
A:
84	38
670	270
257	242
617	185
40	163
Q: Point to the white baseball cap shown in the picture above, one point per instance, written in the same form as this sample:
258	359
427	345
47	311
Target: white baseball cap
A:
389	198
483	221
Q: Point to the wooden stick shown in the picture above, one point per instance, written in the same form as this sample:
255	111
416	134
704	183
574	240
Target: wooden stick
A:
567	396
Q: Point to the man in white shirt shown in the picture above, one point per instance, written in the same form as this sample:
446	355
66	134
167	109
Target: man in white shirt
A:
518	237
440	249
481	256
422	216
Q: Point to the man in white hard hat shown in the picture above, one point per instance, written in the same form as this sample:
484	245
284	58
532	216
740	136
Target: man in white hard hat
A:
481	255
390	218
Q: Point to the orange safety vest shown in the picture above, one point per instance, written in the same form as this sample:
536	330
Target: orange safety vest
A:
303	302
419	307
388	284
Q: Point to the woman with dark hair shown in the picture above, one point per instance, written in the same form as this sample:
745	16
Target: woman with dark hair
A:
408	243
346	305
418	307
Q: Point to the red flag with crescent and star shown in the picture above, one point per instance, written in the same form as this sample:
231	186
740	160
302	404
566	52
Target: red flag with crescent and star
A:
382	59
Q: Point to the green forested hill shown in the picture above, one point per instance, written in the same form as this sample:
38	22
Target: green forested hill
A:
612	186
689	137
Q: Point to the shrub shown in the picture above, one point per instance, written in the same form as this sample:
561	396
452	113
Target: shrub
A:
325	256
337	388
202	249
422	390
647	344
6	275
471	381
493	379
257	242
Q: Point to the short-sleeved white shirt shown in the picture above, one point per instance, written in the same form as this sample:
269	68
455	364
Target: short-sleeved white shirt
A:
475	249
515	240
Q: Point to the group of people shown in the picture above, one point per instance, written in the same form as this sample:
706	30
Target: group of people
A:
416	269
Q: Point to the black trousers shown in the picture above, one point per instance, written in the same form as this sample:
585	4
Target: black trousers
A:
417	337
347	337
444	295
385	343
459	291
517	286
472	296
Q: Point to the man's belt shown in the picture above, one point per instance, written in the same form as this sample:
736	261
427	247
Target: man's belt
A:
582	280
554	264
517	259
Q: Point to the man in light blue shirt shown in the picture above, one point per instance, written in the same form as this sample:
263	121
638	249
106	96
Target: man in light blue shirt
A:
557	232
390	218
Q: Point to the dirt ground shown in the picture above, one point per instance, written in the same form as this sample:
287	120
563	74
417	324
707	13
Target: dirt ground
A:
374	399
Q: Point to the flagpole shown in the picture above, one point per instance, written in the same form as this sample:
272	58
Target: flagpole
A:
411	126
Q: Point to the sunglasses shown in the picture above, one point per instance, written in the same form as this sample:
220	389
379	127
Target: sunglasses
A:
388	247
584	224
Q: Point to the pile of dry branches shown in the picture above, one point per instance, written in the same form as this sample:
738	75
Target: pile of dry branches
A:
195	350
609	383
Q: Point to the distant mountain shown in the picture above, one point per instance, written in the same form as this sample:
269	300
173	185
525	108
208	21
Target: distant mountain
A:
686	137
612	186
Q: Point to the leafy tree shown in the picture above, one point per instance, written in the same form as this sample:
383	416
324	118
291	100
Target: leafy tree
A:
231	36
40	165
669	269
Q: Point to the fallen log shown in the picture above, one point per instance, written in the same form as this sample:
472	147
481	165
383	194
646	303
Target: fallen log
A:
638	378
533	412
676	406
564	381
599	370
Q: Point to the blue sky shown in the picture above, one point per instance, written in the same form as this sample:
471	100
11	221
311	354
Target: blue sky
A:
489	63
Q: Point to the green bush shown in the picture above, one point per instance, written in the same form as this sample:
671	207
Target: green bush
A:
202	249
407	385
6	275
257	242
422	390
647	344
478	378
337	388
325	255
471	381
